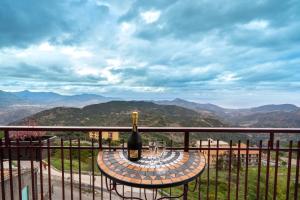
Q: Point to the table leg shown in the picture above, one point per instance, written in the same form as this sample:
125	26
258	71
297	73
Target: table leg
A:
185	192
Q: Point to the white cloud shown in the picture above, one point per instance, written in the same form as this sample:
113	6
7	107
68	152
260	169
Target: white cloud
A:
86	71
255	25
45	47
150	16
76	52
110	78
227	77
205	69
103	74
127	27
114	63
146	89
46	51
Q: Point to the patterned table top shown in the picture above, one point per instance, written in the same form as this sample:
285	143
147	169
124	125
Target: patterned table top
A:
175	168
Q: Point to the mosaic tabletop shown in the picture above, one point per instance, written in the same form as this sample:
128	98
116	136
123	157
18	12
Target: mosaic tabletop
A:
172	169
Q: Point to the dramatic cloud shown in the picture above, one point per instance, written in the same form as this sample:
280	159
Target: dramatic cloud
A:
150	16
230	52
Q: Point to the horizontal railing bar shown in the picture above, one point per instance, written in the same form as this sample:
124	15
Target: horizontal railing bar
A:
117	148
152	129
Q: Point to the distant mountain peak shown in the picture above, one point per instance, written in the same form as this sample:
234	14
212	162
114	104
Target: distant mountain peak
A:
179	99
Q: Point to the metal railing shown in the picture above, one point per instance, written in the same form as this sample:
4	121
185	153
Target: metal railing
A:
66	168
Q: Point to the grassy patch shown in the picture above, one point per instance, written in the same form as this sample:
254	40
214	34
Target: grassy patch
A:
209	184
85	156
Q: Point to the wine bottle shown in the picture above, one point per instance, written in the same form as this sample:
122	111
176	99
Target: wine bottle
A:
134	144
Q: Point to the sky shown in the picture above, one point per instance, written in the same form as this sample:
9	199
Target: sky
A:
234	53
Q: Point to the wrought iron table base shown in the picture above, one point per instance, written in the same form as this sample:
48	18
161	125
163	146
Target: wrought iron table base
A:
113	187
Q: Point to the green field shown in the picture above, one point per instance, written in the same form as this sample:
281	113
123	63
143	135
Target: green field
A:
85	158
222	184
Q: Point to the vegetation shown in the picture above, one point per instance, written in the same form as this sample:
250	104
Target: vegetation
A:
222	184
27	135
85	157
117	113
206	184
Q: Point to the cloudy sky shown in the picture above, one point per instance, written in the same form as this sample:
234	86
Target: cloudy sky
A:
235	53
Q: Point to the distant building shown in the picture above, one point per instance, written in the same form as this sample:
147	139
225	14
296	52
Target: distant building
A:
26	184
105	135
253	155
210	143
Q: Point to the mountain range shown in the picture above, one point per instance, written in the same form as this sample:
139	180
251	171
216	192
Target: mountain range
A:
50	99
282	115
117	113
17	105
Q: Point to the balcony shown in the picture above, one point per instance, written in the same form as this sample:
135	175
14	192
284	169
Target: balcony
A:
66	168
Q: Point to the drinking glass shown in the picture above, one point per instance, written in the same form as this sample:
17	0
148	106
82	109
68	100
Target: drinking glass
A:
161	148
152	150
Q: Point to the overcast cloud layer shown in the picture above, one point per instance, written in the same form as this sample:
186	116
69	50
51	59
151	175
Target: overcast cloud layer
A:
231	52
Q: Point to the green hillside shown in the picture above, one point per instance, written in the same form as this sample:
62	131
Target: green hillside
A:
117	113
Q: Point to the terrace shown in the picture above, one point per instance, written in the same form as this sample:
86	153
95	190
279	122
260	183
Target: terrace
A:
66	168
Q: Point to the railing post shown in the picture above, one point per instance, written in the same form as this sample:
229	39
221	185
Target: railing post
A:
100	140
271	144
109	144
123	145
10	172
297	172
2	171
6	137
186	141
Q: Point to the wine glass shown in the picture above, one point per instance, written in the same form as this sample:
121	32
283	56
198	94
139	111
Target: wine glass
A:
161	148
152	150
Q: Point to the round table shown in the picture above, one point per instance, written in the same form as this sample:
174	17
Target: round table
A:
173	169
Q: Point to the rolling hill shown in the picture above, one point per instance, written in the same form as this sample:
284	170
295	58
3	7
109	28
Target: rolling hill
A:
276	119
266	116
15	113
207	107
17	105
117	113
281	115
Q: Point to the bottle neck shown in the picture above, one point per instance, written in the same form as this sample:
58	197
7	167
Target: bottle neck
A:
134	128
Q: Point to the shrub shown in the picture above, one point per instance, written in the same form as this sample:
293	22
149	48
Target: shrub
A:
27	135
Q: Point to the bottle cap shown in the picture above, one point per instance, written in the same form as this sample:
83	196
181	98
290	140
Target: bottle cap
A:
135	116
